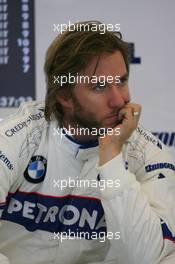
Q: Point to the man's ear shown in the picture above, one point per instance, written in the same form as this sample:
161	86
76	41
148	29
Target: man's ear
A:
65	100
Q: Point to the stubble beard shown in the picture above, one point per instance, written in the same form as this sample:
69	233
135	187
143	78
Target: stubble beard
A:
84	119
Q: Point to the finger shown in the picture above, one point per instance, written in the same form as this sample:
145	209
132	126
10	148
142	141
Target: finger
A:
133	105
125	114
136	112
136	109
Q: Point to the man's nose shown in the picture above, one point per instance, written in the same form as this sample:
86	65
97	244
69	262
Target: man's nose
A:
115	97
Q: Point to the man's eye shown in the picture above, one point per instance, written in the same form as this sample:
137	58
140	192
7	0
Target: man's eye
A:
99	86
123	81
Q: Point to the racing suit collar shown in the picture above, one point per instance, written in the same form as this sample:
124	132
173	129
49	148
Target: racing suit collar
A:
78	150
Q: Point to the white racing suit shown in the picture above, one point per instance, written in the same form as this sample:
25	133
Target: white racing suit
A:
58	206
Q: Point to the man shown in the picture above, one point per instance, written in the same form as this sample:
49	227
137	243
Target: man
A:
81	182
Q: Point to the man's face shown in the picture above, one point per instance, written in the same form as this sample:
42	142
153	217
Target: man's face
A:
95	105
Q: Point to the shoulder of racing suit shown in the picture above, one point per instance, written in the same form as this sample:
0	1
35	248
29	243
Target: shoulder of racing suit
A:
20	135
144	154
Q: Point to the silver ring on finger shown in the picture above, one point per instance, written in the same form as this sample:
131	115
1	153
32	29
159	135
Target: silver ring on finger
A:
136	113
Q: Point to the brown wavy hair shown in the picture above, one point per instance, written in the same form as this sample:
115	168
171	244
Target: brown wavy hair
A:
70	53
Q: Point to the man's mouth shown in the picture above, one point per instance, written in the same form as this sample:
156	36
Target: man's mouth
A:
112	119
113	115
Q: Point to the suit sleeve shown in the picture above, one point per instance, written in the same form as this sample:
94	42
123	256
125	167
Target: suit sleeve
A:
8	168
7	179
141	209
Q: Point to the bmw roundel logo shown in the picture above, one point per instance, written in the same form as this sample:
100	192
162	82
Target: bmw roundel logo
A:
36	169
